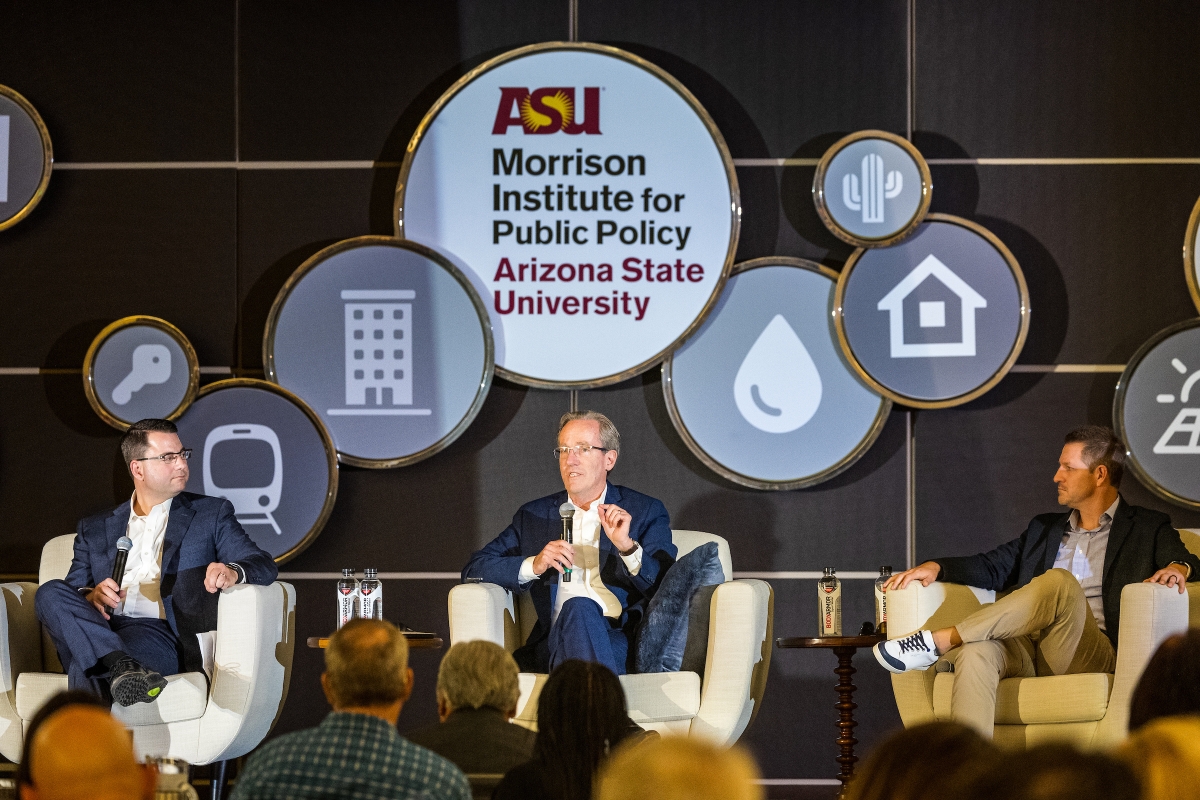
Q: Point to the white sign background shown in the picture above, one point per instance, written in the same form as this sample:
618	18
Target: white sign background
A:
447	200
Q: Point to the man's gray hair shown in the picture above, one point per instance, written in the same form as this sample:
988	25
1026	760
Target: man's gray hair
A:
609	438
479	673
367	663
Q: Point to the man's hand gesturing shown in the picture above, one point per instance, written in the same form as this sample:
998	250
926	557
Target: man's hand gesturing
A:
106	596
615	521
925	573
557	554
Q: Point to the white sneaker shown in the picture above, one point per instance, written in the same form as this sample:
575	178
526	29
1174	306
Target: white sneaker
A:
912	652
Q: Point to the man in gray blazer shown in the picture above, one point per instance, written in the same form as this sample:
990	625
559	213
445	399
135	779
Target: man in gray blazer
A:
122	639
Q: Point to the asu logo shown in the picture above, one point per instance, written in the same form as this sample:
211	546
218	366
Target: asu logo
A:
547	110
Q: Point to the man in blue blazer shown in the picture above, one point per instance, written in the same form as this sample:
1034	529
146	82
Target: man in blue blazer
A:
621	548
122	639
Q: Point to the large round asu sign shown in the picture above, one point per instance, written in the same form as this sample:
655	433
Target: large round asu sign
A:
936	320
389	344
266	452
1156	411
138	368
25	157
591	201
1191	263
761	393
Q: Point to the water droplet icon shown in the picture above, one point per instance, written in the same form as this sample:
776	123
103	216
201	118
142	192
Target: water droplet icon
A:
777	387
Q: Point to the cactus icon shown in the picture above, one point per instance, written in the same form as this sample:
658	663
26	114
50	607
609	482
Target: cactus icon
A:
874	188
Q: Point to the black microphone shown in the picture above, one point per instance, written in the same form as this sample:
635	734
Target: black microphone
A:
567	512
124	545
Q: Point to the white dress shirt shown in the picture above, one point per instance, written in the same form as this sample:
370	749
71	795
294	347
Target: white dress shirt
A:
143	568
585	575
1081	553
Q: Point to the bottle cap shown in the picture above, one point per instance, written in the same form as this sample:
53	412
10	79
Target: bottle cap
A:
347	573
885	570
828	572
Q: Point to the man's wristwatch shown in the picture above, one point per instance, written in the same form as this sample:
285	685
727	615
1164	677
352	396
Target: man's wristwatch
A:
630	551
241	573
1187	568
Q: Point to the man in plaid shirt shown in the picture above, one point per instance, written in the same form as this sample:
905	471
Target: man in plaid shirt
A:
356	752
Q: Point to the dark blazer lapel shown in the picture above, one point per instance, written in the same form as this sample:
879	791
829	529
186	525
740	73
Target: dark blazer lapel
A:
1054	536
178	521
1122	526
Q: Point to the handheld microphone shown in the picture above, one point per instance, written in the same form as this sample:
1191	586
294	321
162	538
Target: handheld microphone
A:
567	512
124	545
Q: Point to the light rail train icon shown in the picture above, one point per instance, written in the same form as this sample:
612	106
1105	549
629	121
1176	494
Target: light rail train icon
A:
251	504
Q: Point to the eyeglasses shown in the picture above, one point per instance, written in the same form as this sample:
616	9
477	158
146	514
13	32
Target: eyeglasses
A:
169	458
578	450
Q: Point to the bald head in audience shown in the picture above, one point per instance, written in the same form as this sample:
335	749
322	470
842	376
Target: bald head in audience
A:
82	751
366	669
678	768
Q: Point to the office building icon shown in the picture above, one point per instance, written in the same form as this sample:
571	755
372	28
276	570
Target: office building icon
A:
379	353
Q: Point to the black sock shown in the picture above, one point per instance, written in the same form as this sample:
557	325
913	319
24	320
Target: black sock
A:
109	661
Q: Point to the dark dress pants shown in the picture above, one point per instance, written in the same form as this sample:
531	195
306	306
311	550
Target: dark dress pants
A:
583	632
83	637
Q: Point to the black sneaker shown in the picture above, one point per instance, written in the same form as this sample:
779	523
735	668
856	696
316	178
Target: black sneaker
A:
131	683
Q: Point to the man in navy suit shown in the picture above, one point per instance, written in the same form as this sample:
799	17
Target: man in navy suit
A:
621	549
186	547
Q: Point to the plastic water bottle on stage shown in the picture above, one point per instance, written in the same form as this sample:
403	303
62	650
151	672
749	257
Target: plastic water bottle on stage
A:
881	601
829	603
347	597
370	595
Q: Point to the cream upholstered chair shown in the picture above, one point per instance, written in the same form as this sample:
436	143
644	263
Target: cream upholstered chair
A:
193	719
718	706
1089	710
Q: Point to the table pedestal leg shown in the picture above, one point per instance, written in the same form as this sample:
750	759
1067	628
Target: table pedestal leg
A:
845	706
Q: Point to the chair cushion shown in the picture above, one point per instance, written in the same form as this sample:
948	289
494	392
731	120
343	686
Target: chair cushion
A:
663	635
657	697
184	698
35	688
1030	701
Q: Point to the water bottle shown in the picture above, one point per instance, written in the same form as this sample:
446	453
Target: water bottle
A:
829	603
370	595
347	597
885	573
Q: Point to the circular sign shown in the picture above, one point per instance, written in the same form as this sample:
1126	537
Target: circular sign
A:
761	393
872	188
1156	412
590	199
937	320
388	342
140	368
26	157
263	449
1191	263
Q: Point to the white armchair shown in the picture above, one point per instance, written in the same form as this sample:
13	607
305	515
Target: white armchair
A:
718	707
1089	710
193	719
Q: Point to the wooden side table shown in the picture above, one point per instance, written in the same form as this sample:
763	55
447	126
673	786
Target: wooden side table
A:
844	648
416	641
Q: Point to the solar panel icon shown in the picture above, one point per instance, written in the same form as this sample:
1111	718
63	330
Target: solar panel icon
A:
379	353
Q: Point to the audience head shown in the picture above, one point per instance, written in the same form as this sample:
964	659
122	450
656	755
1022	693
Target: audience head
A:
581	717
477	674
82	751
74	697
1165	756
366	669
678	768
1055	772
1170	684
926	761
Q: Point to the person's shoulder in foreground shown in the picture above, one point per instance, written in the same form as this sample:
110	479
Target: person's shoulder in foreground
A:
349	756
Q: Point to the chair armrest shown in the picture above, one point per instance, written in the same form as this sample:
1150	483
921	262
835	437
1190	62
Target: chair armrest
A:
1149	614
256	637
938	605
20	651
741	619
483	611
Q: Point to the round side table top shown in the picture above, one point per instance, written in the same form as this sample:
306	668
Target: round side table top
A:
830	641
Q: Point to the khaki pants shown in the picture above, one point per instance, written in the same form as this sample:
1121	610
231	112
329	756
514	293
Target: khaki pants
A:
1043	628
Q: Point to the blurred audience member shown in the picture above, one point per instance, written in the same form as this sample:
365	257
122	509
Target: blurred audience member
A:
477	692
678	768
581	718
934	760
71	697
1165	755
1171	683
1055	772
355	751
81	751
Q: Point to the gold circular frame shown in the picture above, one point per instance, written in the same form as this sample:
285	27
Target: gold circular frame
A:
1189	255
818	189
693	103
1018	344
47	156
885	406
89	363
331	460
1119	411
489	354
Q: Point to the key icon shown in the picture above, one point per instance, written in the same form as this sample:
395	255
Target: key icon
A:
151	365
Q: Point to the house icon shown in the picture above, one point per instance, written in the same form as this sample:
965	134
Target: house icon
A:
931	315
